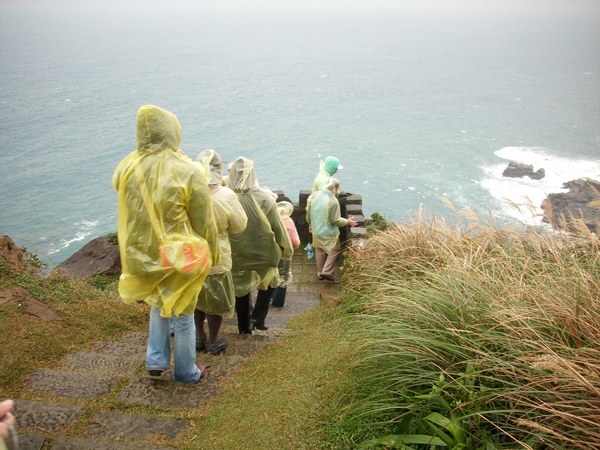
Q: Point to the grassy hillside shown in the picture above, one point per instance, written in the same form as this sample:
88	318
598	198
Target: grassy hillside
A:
477	337
87	313
448	337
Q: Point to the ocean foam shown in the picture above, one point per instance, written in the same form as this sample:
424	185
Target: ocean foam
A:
83	230
526	193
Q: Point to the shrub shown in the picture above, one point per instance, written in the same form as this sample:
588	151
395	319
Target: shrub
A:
478	336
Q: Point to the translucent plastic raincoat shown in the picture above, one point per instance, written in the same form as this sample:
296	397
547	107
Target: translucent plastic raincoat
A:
163	196
285	210
217	296
323	215
256	252
326	169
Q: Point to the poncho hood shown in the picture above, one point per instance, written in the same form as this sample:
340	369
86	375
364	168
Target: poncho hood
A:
213	164
242	177
157	129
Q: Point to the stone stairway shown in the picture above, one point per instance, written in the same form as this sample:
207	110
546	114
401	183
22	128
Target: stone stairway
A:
86	384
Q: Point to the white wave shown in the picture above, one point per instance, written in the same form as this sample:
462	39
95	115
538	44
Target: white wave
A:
528	193
84	229
78	237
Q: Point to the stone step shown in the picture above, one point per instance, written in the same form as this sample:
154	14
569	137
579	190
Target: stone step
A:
110	425
103	364
70	443
43	416
71	384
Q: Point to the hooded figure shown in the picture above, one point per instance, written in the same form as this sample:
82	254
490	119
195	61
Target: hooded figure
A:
167	237
255	252
157	181
217	298
285	209
323	215
327	168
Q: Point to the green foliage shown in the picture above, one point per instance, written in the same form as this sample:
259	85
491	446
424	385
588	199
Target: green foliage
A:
376	223
32	259
480	337
105	282
113	239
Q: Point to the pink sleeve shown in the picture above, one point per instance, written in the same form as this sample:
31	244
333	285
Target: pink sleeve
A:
291	229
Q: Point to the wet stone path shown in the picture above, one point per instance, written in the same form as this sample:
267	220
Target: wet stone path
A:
115	371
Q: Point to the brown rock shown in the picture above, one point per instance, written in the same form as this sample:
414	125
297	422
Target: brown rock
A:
21	296
561	209
97	257
11	253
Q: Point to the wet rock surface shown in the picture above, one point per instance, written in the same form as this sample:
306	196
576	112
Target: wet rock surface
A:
116	369
581	203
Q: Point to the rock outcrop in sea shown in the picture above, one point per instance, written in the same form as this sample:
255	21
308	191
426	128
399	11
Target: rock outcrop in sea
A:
519	170
580	205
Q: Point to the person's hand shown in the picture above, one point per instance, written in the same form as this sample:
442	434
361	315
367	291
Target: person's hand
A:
7	420
352	222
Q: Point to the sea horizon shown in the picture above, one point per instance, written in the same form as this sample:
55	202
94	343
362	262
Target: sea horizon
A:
418	101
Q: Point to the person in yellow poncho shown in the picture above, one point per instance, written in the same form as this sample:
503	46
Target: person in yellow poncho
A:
217	298
167	238
255	252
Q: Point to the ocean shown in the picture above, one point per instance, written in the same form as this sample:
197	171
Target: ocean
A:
418	100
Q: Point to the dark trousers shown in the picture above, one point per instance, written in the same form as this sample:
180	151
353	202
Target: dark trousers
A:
261	309
279	296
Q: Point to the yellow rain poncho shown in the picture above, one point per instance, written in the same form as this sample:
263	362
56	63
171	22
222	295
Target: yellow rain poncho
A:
217	296
163	196
256	252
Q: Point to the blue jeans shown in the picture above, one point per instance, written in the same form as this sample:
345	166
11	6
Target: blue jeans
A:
158	354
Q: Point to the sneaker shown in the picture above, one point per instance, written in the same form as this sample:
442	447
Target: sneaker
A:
155	373
215	349
202	369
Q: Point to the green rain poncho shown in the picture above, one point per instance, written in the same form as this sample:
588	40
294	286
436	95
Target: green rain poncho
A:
323	215
217	296
162	195
256	252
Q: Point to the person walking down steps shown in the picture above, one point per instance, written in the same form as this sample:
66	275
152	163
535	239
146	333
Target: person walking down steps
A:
217	298
324	218
285	209
257	251
167	239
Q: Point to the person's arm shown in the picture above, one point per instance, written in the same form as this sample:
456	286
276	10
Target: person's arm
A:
335	216
308	207
238	219
201	214
281	235
293	232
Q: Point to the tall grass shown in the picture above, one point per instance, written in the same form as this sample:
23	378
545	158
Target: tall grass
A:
477	336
